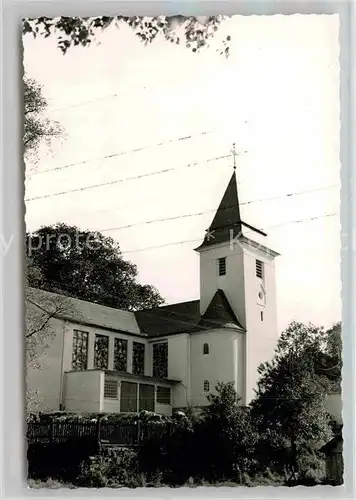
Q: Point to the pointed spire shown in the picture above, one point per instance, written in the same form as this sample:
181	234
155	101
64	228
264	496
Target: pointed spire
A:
228	213
227	217
227	221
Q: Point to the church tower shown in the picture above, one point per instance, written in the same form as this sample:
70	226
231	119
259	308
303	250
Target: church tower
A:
234	258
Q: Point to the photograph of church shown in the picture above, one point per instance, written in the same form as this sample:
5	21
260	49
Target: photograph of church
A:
165	358
181	270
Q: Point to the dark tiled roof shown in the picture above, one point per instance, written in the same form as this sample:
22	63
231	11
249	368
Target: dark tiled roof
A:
335	445
185	317
174	318
219	313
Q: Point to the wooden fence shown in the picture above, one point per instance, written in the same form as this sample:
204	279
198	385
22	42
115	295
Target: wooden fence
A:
132	434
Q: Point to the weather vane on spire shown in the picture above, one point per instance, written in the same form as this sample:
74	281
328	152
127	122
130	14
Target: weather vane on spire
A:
234	154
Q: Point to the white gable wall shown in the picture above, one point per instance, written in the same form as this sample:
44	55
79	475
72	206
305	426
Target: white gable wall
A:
333	405
48	379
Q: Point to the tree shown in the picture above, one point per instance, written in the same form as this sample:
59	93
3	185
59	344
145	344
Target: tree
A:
88	266
38	329
229	450
37	128
329	362
72	31
289	406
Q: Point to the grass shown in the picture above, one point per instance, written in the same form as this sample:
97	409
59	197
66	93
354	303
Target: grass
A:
259	480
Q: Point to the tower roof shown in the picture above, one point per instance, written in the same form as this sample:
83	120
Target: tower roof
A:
227	218
228	213
219	313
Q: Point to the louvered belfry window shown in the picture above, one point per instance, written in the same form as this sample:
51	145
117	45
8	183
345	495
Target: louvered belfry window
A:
259	269
101	352
120	355
160	360
222	266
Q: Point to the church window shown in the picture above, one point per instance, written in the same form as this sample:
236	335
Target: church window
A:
259	269
206	386
222	266
120	355
101	352
80	350
138	358
206	349
261	315
160	360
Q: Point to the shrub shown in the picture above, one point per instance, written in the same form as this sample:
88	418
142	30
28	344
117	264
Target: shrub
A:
59	461
111	467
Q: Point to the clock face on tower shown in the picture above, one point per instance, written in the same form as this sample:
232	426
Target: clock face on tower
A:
261	295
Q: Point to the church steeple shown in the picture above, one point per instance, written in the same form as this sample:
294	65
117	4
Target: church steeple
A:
237	272
227	220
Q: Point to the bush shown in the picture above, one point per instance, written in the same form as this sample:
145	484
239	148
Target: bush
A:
115	467
113	418
59	461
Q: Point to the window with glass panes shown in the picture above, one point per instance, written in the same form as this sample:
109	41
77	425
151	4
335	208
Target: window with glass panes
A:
138	358
101	352
160	360
80	350
163	395
110	389
120	355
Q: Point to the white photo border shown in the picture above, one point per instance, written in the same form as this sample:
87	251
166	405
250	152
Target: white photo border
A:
12	227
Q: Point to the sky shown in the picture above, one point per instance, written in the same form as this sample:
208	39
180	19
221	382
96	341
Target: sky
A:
276	97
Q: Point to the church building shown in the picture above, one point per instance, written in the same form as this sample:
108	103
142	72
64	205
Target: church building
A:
102	359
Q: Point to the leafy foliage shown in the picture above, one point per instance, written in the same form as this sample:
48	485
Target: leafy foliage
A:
88	266
37	128
225	443
289	408
232	434
112	418
111	467
73	31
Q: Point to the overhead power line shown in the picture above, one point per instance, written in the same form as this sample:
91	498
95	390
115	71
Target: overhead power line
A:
121	153
118	181
95	99
200	239
196	214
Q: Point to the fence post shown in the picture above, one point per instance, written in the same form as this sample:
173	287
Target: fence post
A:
138	432
98	431
51	431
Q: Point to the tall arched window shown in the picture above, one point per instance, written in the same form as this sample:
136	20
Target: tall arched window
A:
206	349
